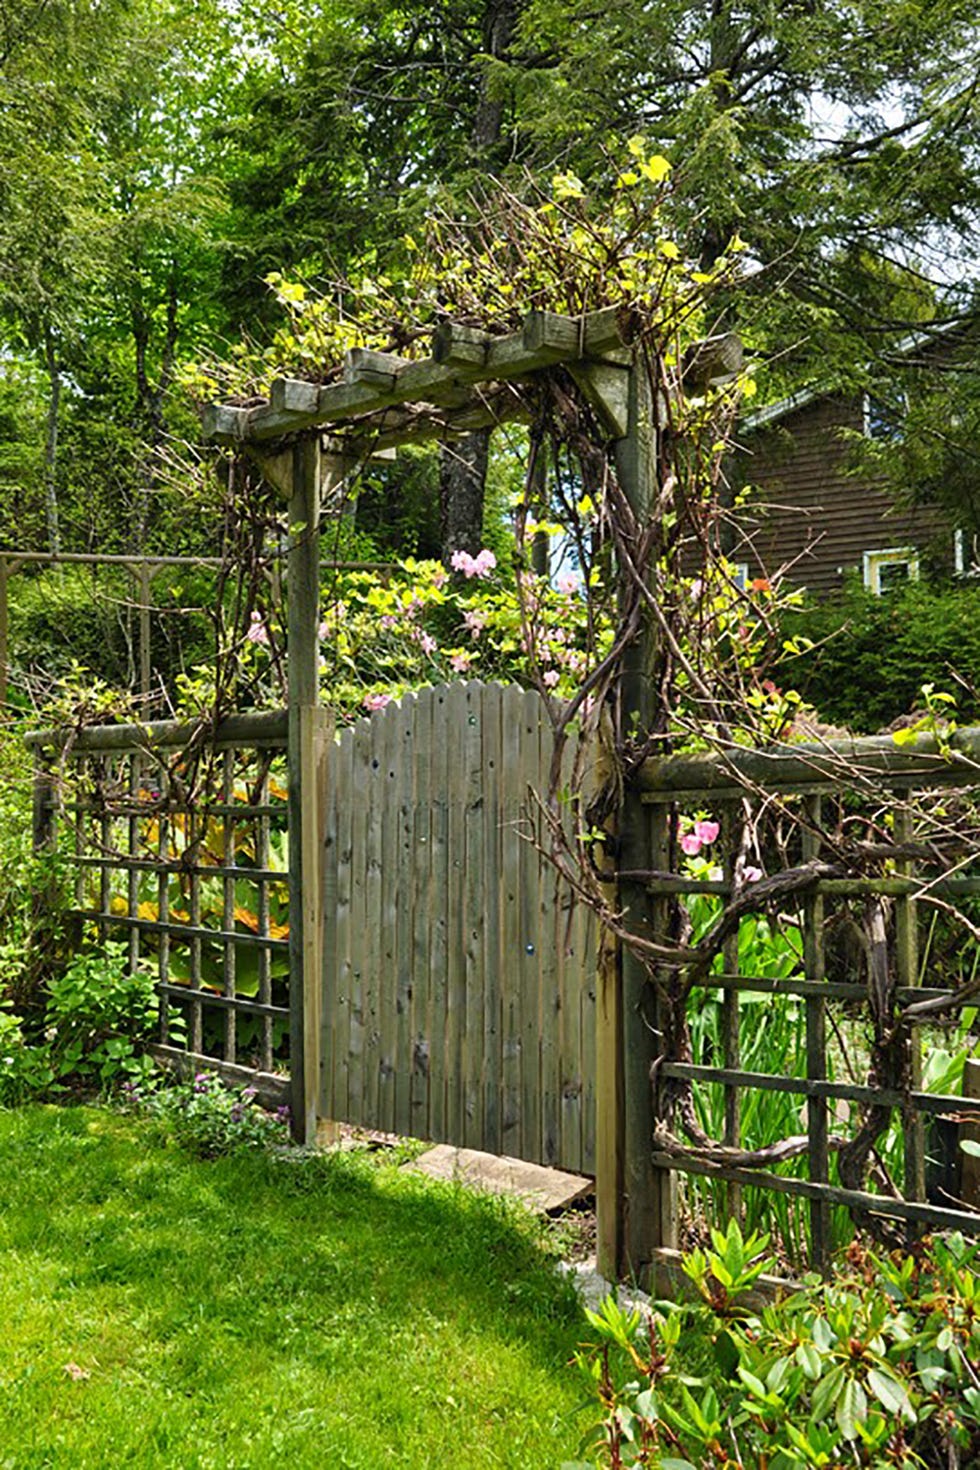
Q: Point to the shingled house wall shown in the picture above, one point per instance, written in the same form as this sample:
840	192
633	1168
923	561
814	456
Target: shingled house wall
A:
807	515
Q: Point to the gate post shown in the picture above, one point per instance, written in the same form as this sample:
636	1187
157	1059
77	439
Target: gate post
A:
639	1197
308	738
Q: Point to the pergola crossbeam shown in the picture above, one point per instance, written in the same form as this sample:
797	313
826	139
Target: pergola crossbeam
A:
466	376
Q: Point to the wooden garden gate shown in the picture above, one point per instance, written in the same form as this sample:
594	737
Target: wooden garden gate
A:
458	976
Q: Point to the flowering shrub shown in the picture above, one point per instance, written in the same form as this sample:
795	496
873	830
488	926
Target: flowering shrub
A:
384	634
208	1117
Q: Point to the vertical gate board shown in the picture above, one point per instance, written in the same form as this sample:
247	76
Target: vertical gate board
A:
385	984
469	895
455	993
360	793
528	957
441	760
548	948
492	832
419	851
511	944
458	986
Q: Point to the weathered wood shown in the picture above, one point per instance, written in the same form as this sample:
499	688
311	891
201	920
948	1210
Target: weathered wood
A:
970	1132
816	1044
443	947
927	1102
453	937
931	1216
419	830
460	346
711	362
907	976
380	369
647	1206
512	858
855	762
389	778
378	381
528	959
730	1009
488	915
306	750
606	388
259	729
294	395
272	1090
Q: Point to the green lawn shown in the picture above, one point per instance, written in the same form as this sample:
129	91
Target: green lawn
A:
156	1310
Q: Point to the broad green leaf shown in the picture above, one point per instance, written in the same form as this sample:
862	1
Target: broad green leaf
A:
891	1393
852	1408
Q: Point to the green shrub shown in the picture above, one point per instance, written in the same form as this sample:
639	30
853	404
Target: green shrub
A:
25	1070
873	654
875	1367
207	1117
98	1013
33	888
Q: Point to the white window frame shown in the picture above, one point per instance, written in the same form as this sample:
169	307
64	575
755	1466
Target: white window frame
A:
889	556
740	575
895	430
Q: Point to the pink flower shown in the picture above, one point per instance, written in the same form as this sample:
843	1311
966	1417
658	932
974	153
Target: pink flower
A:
389	621
427	643
750	874
475	621
376	701
550	678
480	565
567	583
258	632
322	632
690	843
439	579
706	832
459	662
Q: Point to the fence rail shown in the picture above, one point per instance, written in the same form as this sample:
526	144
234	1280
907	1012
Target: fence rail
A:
172	838
808	784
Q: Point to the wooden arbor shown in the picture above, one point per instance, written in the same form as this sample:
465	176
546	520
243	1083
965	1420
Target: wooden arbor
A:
304	440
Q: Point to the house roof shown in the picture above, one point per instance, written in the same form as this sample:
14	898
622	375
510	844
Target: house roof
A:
772	412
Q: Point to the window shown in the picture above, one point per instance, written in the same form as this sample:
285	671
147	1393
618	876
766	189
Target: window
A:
884	416
893	567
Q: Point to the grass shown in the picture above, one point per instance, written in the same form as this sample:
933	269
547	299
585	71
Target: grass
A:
158	1310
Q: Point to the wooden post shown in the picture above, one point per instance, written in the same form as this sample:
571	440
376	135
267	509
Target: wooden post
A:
304	753
609	1078
731	832
641	1197
907	975
816	1045
970	1188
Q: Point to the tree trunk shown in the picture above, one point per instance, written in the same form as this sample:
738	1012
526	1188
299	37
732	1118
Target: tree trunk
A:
462	482
463	465
51	443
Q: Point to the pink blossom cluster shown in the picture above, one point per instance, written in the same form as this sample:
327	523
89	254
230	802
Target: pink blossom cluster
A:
257	632
376	701
702	834
480	565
